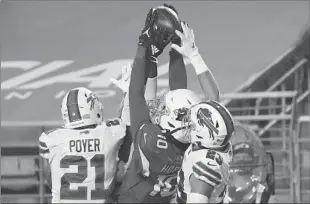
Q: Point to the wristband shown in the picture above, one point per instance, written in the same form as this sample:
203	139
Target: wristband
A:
199	64
152	69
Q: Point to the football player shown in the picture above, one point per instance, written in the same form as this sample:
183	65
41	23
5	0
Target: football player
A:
80	159
171	112
182	45
252	170
177	80
177	74
157	156
205	169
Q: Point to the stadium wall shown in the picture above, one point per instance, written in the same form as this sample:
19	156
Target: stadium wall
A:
262	80
296	58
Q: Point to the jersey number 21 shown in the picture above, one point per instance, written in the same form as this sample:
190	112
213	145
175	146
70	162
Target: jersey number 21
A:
97	162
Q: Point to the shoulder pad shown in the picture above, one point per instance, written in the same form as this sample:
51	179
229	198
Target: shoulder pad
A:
207	170
50	137
47	136
49	131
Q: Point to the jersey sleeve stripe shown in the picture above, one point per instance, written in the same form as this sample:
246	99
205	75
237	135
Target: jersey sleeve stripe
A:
209	170
43	151
212	181
43	144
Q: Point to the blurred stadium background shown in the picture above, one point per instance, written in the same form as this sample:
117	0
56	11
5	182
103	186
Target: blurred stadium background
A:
261	47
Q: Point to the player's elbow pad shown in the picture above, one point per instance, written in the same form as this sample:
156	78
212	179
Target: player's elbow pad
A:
197	198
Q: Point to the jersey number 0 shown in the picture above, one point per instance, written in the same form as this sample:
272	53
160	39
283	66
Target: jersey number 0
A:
99	193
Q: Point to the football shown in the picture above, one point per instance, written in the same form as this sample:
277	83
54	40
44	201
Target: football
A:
167	19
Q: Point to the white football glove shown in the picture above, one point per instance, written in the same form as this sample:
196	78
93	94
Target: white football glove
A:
188	47
123	82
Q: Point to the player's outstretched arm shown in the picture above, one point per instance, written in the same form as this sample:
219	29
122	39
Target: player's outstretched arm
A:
123	84
151	84
177	71
139	111
190	50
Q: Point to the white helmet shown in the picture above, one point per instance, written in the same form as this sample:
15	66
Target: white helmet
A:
176	104
211	125
81	107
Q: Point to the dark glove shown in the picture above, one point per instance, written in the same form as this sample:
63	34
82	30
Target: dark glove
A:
160	25
145	38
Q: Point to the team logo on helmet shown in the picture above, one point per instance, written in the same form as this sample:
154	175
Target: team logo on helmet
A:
204	118
93	99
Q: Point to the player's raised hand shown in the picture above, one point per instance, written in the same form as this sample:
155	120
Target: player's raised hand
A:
166	22
159	29
123	82
188	47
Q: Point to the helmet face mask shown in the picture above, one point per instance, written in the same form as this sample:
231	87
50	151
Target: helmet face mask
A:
81	108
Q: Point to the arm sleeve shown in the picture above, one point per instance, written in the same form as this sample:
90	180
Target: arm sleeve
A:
206	78
151	84
177	71
209	171
139	111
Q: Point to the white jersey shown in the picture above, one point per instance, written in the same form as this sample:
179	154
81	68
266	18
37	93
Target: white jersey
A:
83	162
206	165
